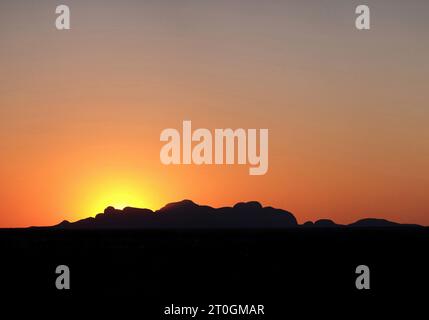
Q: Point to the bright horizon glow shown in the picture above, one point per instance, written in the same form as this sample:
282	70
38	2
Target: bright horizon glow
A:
118	191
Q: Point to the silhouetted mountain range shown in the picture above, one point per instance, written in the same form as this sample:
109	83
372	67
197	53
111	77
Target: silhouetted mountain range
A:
188	215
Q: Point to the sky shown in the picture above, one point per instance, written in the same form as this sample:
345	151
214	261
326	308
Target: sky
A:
81	110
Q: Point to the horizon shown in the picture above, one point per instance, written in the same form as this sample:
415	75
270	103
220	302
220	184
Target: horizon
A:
127	209
82	110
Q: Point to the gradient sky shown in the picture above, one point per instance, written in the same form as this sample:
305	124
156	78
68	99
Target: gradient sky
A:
81	111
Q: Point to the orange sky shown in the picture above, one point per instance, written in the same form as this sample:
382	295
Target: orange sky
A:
81	111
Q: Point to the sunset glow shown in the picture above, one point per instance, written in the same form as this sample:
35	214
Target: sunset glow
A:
116	193
81	111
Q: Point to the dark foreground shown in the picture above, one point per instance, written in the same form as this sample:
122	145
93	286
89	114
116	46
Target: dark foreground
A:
284	270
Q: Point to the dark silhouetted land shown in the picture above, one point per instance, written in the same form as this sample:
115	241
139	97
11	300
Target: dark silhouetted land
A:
188	215
243	254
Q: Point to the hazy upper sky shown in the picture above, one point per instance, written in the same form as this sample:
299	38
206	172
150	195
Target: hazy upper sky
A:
81	111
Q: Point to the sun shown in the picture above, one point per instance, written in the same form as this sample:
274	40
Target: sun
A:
118	197
116	191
